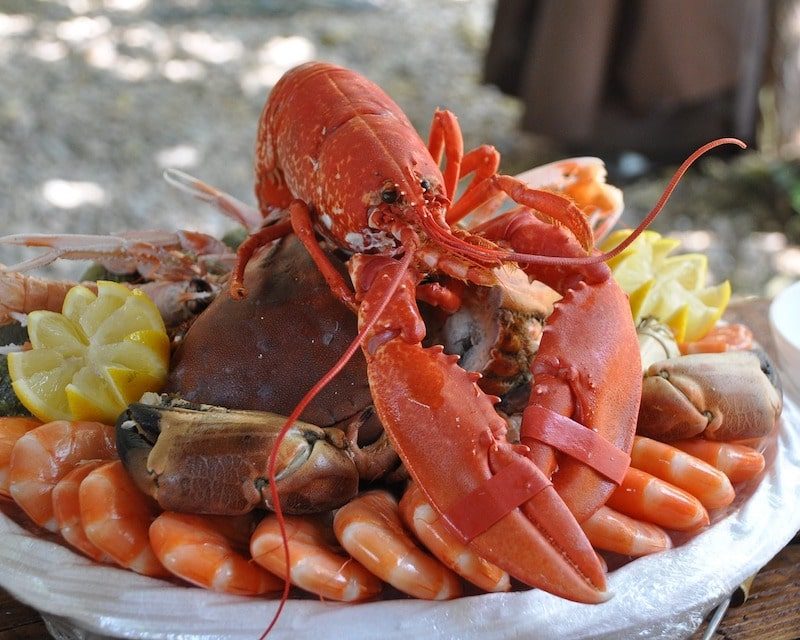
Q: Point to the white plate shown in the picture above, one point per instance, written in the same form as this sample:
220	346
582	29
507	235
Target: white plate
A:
662	596
784	320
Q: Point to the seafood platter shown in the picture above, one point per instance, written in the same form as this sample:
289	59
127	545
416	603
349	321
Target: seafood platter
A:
414	396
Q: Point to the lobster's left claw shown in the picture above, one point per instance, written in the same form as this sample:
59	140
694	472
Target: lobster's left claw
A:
722	396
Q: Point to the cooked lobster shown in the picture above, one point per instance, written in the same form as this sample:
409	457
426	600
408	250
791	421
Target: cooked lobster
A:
345	163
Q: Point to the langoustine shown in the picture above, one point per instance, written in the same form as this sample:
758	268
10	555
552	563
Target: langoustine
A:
180	271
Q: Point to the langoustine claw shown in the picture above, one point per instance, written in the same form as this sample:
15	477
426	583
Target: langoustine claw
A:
154	254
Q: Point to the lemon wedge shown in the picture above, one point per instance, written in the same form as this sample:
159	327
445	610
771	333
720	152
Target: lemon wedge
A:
670	288
89	362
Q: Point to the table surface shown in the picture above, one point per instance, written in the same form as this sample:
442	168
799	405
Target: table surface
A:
771	610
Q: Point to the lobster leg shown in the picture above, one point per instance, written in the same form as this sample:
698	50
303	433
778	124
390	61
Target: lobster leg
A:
427	402
303	227
483	161
553	206
446	137
586	369
246	250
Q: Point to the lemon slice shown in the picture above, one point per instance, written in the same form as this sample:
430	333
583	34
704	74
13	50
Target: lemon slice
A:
670	288
92	360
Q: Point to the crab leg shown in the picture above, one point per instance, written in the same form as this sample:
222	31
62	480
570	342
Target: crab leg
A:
423	397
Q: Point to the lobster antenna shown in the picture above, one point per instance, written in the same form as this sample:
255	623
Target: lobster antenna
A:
676	177
295	415
484	254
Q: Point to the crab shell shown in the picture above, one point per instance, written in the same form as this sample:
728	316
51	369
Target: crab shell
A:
265	352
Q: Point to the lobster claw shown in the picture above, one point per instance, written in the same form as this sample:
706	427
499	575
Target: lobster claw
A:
204	459
453	444
581	416
721	396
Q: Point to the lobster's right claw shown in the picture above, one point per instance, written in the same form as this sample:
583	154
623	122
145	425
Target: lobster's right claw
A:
452	443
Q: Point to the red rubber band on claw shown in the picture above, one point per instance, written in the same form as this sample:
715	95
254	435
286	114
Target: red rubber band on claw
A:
575	440
513	485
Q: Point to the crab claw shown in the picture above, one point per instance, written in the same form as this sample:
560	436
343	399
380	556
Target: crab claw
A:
722	396
199	458
453	444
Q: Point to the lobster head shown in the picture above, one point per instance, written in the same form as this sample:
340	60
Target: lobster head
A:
362	194
364	210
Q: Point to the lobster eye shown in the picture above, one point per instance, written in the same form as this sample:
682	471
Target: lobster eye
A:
390	195
425	184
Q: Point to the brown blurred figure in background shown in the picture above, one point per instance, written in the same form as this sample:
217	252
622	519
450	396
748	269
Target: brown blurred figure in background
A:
653	76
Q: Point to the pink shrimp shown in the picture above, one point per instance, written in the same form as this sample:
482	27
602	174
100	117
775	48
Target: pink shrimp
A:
688	472
648	498
727	337
610	530
369	529
206	551
420	517
117	516
44	455
11	430
737	461
67	510
315	564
